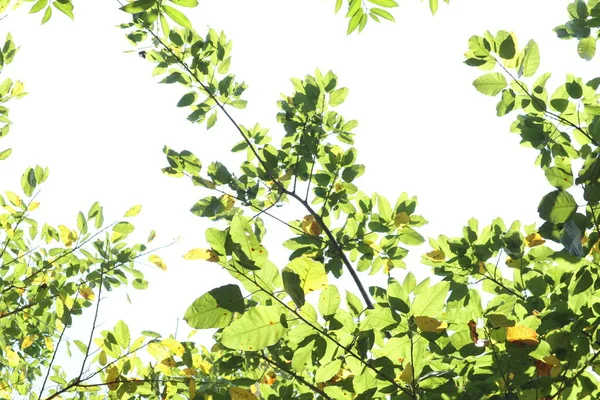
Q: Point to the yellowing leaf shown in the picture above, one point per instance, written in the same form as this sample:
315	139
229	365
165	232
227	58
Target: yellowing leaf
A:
28	341
151	236
86	292
133	211
102	358
33	205
310	226
407	375
228	201
436	255
14	199
175	346
66	235
522	335
401	219
428	324
112	375
48	343
156	260
11	356
269	378
169	362
202	254
192	389
534	240
241	394
17	88
515	263
374	246
158	351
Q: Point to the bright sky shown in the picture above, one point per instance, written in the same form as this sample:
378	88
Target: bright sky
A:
97	118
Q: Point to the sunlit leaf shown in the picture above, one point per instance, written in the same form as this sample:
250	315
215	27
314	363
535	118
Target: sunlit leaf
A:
156	260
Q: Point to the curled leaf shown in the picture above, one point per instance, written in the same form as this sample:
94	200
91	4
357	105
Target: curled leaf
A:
310	226
534	240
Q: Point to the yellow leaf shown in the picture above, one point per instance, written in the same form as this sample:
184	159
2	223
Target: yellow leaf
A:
133	211
373	245
86	292
428	324
156	260
175	346
436	255
17	88
112	375
241	394
522	335
66	235
407	375
28	341
202	254
158	351
33	205
401	219
11	356
534	240
48	342
310	226
14	199
228	201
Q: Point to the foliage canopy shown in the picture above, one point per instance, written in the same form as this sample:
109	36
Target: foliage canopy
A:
475	332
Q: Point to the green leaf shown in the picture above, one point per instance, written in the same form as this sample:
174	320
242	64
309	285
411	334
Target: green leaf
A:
122	334
586	48
354	21
259	327
490	84
557	207
384	3
338	96
215	309
328	371
4	154
383	14
188	99
312	274
177	16
292	286
138	6
430	301
124	228
38	6
560	176
47	15
185	3
433	6
531	60
354	304
66	8
329	301
507	48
